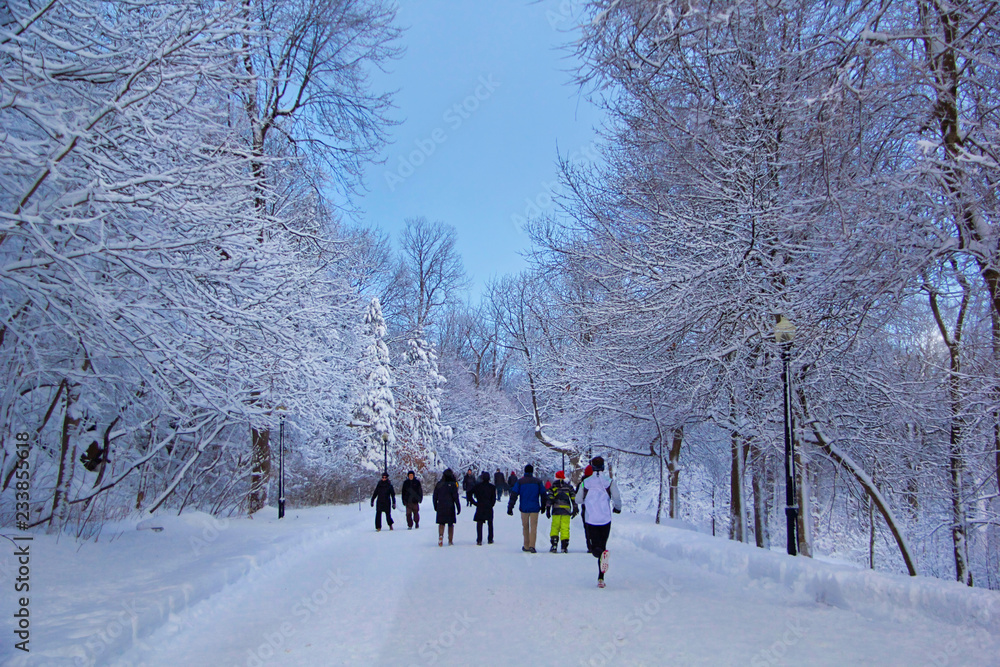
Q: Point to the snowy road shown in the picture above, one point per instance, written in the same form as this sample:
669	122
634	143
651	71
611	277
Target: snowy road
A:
357	597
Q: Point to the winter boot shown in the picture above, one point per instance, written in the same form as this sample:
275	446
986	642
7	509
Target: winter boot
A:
555	543
565	546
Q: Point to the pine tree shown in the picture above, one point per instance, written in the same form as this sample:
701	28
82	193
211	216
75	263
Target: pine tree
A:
376	412
420	403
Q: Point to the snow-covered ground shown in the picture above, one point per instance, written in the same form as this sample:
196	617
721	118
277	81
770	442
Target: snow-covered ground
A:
321	587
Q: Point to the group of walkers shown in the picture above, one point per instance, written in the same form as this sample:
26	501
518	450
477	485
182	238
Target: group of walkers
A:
384	497
501	484
596	497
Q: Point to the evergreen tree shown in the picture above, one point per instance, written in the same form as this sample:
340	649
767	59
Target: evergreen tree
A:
376	412
420	392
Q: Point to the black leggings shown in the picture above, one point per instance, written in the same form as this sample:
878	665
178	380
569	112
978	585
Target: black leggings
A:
598	538
598	543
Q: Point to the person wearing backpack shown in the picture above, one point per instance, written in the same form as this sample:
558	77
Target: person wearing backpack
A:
562	508
599	497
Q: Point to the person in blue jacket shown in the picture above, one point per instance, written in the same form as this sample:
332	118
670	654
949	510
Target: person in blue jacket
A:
531	491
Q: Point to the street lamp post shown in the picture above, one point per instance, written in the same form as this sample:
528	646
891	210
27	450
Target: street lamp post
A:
385	453
784	333
281	468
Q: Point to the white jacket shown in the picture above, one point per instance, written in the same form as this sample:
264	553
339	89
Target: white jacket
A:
596	495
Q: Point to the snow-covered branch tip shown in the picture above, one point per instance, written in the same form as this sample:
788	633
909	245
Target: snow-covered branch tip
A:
561	447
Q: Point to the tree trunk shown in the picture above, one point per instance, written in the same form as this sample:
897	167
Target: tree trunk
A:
674	469
260	472
659	495
848	464
67	457
871	534
737	503
803	493
761	490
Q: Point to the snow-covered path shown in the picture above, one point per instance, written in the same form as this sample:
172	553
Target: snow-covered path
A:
321	587
396	598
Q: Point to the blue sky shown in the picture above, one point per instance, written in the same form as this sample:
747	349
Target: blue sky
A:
486	99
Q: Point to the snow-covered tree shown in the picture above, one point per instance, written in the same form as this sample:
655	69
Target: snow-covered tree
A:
375	415
418	394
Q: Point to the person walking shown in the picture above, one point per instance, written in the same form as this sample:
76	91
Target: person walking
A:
599	496
511	481
531	491
562	508
500	483
468	483
412	494
385	496
484	497
447	505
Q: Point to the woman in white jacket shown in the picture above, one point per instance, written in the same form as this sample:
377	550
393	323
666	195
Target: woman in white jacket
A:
599	497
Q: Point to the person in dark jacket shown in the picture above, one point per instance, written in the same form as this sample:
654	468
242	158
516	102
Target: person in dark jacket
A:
532	494
412	494
484	497
511	481
386	497
562	508
447	505
500	483
468	483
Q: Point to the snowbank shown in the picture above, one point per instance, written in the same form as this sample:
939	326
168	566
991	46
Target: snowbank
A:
91	602
840	586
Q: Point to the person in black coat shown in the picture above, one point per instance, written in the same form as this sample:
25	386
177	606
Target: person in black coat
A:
500	483
511	481
484	497
468	483
412	494
447	504
386	497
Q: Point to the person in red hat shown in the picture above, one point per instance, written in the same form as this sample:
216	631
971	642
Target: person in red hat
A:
562	508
